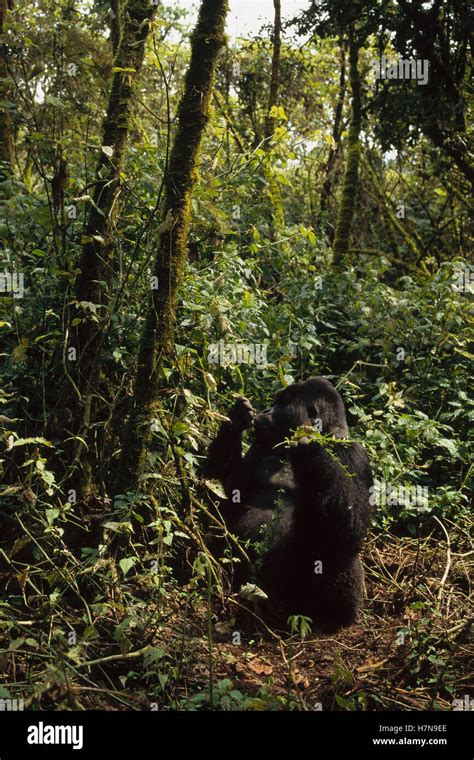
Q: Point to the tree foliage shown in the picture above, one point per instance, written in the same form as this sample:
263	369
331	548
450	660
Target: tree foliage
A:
196	228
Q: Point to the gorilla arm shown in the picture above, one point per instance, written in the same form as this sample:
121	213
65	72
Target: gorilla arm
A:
224	459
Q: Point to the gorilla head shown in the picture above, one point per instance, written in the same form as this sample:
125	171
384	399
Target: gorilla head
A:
315	403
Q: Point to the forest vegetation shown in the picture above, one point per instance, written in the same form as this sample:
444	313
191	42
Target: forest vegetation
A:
185	218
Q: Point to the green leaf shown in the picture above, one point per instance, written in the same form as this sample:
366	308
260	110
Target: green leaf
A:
25	441
51	515
153	655
54	101
446	443
127	563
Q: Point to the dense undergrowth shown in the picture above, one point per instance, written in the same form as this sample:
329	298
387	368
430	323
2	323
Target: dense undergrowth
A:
129	584
121	600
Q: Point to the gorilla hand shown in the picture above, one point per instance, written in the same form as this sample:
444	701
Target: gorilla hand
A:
242	414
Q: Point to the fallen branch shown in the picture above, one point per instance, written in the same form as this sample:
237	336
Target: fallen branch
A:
115	658
448	560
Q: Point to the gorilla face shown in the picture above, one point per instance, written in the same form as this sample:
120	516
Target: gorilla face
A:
314	403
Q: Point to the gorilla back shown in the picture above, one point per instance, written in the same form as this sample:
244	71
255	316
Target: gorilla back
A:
304	509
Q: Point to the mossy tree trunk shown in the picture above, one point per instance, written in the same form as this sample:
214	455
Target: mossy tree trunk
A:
115	24
326	192
269	127
349	188
6	125
94	284
157	337
277	214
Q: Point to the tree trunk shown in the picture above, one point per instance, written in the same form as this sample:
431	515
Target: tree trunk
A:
349	188
269	127
6	126
328	184
94	283
273	189
447	73
115	24
157	337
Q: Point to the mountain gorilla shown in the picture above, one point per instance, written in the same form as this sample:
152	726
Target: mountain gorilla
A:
305	508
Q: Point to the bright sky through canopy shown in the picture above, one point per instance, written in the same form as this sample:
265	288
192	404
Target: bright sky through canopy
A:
247	16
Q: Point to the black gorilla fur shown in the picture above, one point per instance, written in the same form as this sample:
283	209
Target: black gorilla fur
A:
311	506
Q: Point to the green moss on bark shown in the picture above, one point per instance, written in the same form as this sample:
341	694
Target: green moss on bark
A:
97	258
275	74
157	338
94	283
6	126
349	188
329	180
273	188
